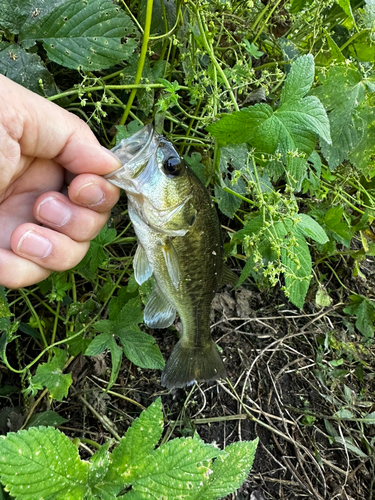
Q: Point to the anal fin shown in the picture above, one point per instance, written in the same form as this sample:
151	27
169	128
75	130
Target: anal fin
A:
141	265
158	313
228	276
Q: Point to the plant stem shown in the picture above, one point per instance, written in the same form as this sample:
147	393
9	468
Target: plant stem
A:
141	61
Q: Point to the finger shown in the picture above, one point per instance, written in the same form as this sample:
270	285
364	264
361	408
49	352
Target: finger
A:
89	190
17	272
45	130
57	212
47	248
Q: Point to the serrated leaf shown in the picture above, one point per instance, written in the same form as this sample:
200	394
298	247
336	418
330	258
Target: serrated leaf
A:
81	34
141	349
295	125
299	80
177	469
229	471
50	375
364	309
42	460
100	463
311	229
46	418
26	69
363	156
297	260
342	91
137	444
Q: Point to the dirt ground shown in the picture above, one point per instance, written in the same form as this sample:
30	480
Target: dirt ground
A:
289	373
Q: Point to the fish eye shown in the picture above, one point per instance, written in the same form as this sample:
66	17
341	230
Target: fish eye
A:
172	166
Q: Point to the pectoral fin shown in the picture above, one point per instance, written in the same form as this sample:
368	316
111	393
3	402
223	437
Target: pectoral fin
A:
158	313
141	265
171	260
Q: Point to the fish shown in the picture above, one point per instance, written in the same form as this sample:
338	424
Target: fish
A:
179	244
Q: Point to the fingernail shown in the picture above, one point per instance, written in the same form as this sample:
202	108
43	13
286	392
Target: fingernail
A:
54	212
113	156
90	195
34	245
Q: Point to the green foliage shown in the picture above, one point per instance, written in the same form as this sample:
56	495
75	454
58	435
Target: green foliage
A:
50	375
364	310
43	461
139	347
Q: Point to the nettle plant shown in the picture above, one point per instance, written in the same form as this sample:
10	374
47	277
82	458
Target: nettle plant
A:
42	463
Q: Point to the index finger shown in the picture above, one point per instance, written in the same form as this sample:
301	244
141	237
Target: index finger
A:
45	130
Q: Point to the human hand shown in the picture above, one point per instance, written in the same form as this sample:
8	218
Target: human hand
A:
41	146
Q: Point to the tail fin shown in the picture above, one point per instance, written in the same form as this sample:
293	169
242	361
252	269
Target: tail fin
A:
188	364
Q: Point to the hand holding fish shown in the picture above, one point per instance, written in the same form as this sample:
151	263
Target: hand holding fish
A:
42	149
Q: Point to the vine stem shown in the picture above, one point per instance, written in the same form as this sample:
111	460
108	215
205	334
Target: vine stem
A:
203	30
141	62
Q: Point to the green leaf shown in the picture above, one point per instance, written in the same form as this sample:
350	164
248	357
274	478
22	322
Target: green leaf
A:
100	463
311	229
344	414
229	471
106	341
370	418
345	5
295	125
137	444
177	469
96	256
194	162
339	230
26	69
363	156
298	5
233	159
81	33
297	261
363	47
47	418
341	92
364	309
252	49
299	80
4	307
50	375
141	349
43	461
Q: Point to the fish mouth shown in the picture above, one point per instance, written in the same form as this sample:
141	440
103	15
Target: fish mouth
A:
134	153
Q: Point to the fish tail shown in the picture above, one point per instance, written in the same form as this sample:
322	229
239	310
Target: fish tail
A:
188	364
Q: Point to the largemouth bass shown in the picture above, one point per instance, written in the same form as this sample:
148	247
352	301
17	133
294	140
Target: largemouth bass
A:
180	244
